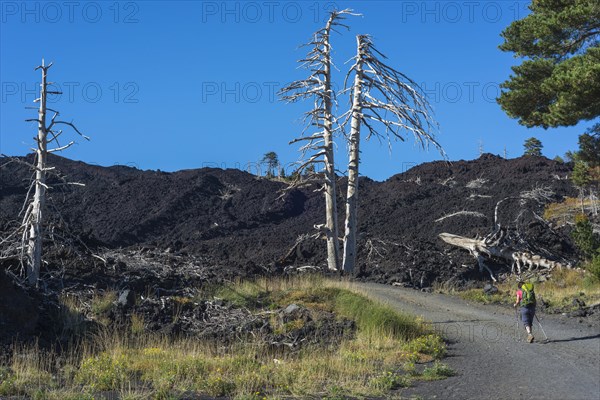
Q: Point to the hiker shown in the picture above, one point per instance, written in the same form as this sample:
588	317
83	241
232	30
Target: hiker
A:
526	298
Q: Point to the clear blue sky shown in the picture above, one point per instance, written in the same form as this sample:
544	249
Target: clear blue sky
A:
178	85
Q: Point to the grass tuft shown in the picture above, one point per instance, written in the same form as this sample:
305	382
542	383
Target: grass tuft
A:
437	371
503	296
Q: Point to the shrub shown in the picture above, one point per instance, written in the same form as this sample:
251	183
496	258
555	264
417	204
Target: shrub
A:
102	303
594	268
137	324
7	383
438	371
584	237
102	372
219	387
432	345
389	381
479	296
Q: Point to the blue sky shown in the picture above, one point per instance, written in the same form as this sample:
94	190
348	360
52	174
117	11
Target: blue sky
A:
179	85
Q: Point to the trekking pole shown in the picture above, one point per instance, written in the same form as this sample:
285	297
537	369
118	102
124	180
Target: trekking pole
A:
541	327
518	323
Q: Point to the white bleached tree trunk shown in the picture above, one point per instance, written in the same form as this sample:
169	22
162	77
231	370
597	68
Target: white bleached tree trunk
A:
353	163
331	216
34	236
33	219
379	95
319	147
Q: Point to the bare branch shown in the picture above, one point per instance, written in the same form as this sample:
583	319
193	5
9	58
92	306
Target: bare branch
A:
461	213
388	91
62	147
72	126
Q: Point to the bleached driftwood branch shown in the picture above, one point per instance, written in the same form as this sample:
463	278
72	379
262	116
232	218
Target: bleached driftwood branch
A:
481	248
461	213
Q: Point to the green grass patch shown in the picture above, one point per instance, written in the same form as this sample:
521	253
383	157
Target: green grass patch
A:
389	381
567	210
103	302
593	268
437	371
375	318
478	296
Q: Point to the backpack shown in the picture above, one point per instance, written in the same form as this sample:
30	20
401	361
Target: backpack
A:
528	295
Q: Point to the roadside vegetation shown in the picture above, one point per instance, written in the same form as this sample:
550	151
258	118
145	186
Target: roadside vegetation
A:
382	351
563	291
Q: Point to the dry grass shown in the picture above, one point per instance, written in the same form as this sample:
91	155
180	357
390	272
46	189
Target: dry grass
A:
565	211
384	355
503	296
568	284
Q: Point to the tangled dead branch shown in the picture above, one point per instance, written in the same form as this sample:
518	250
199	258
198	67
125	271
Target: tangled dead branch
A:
508	245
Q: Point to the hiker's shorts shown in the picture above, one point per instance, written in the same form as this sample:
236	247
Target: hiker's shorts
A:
527	314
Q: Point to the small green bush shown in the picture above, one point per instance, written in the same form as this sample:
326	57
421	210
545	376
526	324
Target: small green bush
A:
102	372
7	383
584	237
102	303
594	269
219	387
438	371
78	396
389	381
478	296
432	345
39	394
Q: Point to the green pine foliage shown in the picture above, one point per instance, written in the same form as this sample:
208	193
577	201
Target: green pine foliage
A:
594	267
559	82
533	147
581	174
272	161
584	237
589	146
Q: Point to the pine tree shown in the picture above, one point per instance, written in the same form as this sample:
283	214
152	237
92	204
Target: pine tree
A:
559	82
533	147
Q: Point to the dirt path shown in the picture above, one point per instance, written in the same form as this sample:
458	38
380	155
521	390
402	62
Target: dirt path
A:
491	357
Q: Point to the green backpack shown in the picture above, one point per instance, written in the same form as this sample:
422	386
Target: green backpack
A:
528	295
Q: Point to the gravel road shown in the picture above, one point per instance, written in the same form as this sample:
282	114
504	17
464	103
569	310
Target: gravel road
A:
491	356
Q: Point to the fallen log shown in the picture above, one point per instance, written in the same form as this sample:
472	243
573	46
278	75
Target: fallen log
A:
481	248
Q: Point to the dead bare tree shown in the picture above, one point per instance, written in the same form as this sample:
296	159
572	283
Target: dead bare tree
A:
32	224
379	95
319	145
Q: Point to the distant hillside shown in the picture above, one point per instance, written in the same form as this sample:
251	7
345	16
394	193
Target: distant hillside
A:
236	220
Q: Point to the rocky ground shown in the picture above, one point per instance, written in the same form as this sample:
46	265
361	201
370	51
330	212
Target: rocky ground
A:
162	233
